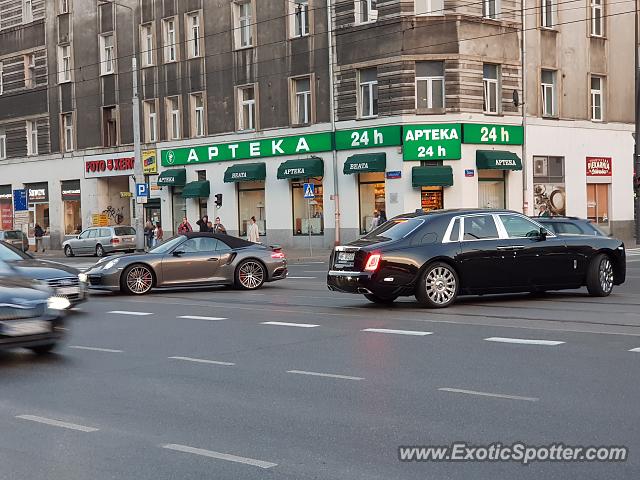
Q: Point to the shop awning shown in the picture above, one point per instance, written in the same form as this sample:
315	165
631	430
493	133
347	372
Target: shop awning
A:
196	190
173	178
436	176
497	160
245	172
365	162
301	168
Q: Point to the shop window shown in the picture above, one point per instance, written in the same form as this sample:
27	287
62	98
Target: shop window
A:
179	208
598	203
491	189
72	217
549	197
431	198
371	191
251	204
308	214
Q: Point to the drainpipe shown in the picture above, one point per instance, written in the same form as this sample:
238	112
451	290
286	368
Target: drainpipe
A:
332	113
523	103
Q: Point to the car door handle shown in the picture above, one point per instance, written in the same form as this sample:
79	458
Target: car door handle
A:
505	249
212	259
517	247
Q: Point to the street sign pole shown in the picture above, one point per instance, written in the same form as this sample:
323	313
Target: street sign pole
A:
309	225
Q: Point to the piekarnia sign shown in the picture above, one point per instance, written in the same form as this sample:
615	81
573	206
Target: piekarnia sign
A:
271	147
598	166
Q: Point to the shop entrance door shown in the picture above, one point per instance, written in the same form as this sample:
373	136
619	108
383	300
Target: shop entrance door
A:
491	189
598	203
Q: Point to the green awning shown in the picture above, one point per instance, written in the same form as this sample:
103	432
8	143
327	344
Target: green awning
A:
436	176
245	172
173	178
301	168
497	160
365	162
196	190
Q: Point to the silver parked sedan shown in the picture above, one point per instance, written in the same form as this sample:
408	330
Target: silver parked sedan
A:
191	260
99	241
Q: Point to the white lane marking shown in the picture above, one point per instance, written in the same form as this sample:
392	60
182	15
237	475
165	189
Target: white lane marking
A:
487	394
287	324
202	360
219	456
314	271
125	312
301	278
95	349
397	332
197	317
524	341
57	423
635	349
328	375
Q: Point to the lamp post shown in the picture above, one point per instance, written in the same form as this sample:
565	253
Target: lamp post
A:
135	101
636	149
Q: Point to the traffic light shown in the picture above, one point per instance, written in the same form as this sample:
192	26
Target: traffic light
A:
218	200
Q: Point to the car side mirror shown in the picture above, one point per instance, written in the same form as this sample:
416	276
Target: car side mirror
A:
542	235
178	253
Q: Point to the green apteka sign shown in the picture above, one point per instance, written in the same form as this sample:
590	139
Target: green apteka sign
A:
432	142
486	134
369	137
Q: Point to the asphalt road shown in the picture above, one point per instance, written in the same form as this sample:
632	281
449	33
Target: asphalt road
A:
199	385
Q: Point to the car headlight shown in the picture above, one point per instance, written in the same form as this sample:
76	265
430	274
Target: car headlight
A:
83	277
111	264
58	303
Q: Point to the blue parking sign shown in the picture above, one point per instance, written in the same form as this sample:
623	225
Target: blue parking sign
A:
142	190
308	190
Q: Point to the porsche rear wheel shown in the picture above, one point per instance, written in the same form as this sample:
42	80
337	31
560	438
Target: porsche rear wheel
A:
250	275
137	280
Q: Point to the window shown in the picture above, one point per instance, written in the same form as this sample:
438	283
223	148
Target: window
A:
173	120
27	11
3	145
548	89
30	70
490	8
243	24
194	40
197	115
371	193
251	204
395	229
64	63
67	132
490	82
549	195
64	6
302	101
365	11
429	7
107	58
169	32
519	227
431	198
110	126
32	137
597	18
597	98
368	92
151	121
299	18
199	244
1	78
308	214
479	227
546	13
146	40
246	108
429	85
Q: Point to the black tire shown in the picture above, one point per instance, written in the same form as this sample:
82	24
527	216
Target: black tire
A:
100	251
43	349
600	276
380	300
137	279
438	286
250	274
68	252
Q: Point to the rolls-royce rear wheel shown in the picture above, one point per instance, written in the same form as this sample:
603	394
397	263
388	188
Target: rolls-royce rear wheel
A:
600	276
383	300
438	286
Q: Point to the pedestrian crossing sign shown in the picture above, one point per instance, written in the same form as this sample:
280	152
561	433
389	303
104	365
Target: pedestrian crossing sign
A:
308	190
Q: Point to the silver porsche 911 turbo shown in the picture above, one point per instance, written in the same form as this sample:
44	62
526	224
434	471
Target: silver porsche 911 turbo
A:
191	260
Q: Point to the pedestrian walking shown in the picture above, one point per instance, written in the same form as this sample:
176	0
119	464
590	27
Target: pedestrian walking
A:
253	234
148	233
218	227
158	235
184	227
38	232
202	223
544	211
376	220
383	217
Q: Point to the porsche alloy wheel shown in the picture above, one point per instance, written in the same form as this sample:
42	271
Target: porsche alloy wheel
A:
138	280
250	275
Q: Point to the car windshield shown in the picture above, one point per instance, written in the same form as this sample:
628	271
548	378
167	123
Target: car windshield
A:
9	253
394	229
13	235
168	245
122	231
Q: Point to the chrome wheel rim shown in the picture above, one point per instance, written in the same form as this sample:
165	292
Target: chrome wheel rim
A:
67	251
606	275
139	280
99	251
440	285
251	275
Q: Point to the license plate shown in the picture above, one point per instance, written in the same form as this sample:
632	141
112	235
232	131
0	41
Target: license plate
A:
68	291
346	256
130	239
27	327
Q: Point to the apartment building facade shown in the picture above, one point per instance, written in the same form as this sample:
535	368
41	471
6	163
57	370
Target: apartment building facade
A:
250	107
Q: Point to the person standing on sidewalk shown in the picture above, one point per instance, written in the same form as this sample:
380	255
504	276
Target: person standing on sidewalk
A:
202	223
253	234
184	227
218	227
38	232
158	235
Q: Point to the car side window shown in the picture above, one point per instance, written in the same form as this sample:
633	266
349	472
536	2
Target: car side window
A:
566	227
199	244
84	234
222	247
105	232
519	227
455	231
480	227
93	233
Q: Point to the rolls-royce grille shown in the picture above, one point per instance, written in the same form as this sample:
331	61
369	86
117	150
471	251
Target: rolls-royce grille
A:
18	312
